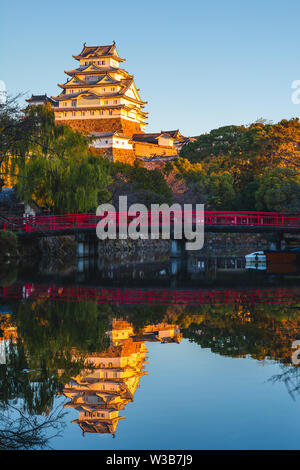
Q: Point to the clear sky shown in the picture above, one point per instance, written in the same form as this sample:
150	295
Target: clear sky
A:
199	64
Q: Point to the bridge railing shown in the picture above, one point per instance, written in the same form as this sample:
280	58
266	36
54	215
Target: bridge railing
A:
252	218
90	220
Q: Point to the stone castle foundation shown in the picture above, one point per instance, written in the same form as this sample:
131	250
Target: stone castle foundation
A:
86	126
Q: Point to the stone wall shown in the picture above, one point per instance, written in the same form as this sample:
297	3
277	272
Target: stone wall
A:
215	244
124	156
115	155
86	126
134	250
232	244
145	149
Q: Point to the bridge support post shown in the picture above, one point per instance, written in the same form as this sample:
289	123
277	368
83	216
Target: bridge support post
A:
86	246
276	241
177	248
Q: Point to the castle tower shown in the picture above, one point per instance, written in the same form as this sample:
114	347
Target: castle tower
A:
99	96
101	392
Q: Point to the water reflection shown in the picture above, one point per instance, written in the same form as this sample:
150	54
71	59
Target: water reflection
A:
86	346
99	394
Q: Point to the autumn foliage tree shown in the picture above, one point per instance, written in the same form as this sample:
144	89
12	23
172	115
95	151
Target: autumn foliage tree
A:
247	168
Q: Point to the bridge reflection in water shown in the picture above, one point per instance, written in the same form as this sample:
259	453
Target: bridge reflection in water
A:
185	267
111	295
99	392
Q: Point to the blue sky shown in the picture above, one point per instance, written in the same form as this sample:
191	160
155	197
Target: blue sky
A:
200	65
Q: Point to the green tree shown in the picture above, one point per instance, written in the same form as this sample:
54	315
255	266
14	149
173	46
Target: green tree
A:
54	339
278	190
221	191
60	173
141	185
74	183
237	159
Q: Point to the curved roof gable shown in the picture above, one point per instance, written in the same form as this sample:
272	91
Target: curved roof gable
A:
99	51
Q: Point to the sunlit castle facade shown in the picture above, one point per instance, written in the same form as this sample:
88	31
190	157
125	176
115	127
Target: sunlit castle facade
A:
101	99
100	96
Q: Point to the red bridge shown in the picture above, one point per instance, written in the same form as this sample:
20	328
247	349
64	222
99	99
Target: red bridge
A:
151	296
229	221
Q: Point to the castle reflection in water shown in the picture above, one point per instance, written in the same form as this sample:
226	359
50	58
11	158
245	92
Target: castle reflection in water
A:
101	391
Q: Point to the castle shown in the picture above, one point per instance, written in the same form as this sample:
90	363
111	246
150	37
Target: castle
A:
101	99
100	392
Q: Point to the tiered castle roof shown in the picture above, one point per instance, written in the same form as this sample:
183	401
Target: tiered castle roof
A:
100	85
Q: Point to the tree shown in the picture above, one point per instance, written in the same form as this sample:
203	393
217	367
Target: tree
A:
221	191
53	343
139	184
60	173
278	190
219	142
75	183
11	135
214	188
18	431
237	159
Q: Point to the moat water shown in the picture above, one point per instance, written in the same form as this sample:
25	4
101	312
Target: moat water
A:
149	355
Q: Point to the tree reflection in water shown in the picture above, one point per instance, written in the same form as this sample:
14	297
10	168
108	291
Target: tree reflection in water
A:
23	431
46	343
290	376
58	348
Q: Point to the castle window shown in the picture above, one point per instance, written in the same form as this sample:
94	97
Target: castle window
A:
115	101
106	102
103	62
110	113
74	103
92	113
